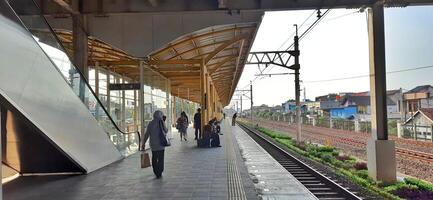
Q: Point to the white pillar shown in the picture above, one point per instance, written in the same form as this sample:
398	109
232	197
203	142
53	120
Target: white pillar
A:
314	121
357	127
399	129
380	151
431	132
330	123
123	107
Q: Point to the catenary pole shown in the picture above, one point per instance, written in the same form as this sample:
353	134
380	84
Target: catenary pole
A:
297	87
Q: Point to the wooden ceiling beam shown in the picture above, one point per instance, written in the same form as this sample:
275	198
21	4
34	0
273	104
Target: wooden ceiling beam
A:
182	74
196	48
201	36
174	62
208	53
225	45
221	63
225	71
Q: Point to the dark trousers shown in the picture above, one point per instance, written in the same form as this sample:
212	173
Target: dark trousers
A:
158	162
197	133
215	140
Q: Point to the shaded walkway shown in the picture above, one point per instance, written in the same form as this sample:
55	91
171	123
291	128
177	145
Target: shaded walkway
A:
190	173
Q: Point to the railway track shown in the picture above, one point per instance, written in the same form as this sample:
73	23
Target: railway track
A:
321	186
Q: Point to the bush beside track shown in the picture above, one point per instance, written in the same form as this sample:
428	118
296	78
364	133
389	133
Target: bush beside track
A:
351	168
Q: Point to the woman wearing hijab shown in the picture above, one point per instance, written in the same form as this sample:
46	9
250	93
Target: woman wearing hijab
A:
154	130
182	124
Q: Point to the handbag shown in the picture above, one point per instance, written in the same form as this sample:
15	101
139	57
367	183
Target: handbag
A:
162	137
145	160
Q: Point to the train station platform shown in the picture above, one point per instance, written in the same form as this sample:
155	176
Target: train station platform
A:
239	169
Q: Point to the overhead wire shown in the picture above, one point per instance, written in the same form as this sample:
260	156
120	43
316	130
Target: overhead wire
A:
369	75
288	38
308	30
311	27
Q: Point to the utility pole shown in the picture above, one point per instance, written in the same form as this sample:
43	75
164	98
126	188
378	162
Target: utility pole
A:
241	104
297	87
251	99
281	59
305	94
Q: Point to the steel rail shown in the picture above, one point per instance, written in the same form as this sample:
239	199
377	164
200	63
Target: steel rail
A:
321	186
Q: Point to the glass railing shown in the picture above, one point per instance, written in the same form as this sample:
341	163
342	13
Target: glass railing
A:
31	17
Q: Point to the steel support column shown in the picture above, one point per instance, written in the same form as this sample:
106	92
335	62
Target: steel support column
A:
108	93
251	99
141	101
123	108
79	40
297	89
97	89
203	91
380	150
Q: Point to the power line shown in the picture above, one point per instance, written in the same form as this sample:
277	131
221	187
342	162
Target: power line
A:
312	25
291	36
305	32
294	32
369	75
338	17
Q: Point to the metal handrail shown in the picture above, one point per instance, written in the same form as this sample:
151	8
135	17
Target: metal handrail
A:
77	70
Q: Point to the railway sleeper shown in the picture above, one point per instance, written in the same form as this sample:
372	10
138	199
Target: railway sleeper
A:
324	189
314	185
326	194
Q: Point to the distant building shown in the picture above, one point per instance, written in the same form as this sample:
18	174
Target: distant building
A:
312	107
328	97
421	121
349	112
417	98
290	107
357	106
261	108
277	109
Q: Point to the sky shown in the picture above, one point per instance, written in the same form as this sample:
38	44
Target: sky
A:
338	48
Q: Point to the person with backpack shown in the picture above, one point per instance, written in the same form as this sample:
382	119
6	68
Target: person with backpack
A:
157	132
182	125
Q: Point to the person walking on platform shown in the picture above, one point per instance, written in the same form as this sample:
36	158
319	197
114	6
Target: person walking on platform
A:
182	125
234	119
197	124
155	131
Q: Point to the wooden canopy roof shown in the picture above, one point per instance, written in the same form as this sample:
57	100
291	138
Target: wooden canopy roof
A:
222	49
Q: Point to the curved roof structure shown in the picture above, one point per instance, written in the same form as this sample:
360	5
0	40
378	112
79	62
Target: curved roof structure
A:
222	49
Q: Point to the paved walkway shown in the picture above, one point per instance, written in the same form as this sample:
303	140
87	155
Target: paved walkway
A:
190	173
271	180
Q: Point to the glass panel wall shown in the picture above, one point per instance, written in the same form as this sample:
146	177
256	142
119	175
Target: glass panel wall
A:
120	107
43	35
124	105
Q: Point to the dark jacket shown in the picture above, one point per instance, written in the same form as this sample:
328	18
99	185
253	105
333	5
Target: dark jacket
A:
197	120
154	129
